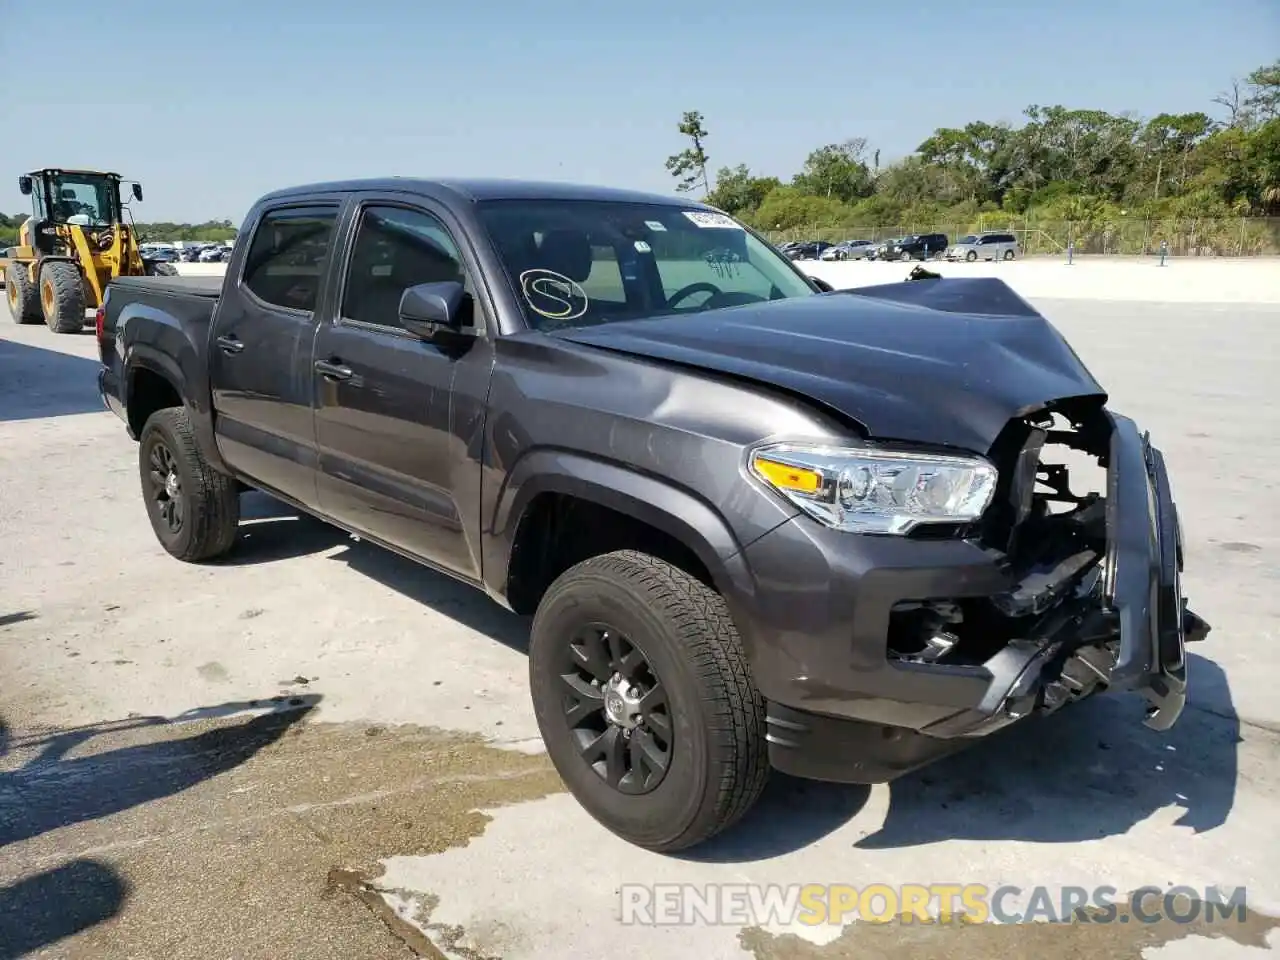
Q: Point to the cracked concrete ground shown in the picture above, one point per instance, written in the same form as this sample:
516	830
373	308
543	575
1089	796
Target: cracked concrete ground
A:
316	749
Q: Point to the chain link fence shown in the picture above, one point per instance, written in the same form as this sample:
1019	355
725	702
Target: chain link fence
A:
1234	237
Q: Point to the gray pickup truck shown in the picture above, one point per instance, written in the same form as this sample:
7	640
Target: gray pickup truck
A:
758	523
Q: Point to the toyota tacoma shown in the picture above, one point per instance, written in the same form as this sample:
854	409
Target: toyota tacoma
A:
758	523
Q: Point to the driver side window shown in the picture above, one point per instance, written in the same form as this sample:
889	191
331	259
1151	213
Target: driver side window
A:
396	248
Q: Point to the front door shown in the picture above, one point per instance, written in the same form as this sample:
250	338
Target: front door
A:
389	466
260	351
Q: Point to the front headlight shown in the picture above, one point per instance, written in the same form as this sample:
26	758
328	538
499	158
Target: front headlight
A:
867	490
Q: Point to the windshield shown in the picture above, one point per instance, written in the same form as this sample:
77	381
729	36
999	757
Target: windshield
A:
577	262
969	239
84	198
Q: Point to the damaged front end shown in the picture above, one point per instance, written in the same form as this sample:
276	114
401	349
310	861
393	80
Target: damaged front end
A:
1095	600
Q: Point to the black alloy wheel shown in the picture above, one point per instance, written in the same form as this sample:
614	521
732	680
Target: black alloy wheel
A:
616	709
164	487
644	698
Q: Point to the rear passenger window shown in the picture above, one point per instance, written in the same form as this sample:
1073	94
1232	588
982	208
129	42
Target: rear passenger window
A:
396	249
286	258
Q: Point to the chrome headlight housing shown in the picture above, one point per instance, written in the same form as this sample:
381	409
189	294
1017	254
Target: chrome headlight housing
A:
874	490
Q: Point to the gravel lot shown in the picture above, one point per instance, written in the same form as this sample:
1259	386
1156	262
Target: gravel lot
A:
289	753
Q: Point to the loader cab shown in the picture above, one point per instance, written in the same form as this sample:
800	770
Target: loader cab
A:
80	197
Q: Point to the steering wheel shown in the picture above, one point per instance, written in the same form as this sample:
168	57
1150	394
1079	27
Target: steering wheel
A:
700	287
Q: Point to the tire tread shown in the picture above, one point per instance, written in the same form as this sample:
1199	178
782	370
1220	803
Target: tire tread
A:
736	710
215	498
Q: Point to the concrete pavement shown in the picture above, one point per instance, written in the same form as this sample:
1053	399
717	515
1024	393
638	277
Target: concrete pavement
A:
401	804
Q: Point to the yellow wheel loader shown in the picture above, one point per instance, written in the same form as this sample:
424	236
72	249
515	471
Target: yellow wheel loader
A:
73	245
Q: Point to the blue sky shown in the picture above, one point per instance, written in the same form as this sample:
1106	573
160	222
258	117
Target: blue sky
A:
210	104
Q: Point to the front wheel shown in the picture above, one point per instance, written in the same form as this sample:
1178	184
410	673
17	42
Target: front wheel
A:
194	509
21	293
645	701
971	256
62	296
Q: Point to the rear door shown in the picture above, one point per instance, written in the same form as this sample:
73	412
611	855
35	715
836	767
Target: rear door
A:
260	355
394	413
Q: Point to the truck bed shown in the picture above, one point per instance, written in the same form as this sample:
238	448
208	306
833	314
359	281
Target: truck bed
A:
210	287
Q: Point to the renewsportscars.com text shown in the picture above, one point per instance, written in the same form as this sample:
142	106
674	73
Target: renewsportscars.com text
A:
814	904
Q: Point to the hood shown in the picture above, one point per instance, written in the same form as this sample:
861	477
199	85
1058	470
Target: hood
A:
945	361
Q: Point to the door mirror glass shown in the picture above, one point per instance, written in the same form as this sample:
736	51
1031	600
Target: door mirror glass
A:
428	309
822	285
24	186
137	192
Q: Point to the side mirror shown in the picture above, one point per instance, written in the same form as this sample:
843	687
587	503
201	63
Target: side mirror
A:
429	309
137	192
822	285
24	186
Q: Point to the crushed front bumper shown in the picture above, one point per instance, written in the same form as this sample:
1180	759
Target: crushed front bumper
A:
838	709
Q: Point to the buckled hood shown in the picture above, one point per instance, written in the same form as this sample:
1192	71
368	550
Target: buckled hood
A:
939	361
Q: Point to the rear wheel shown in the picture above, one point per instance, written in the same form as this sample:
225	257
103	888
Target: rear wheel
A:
194	509
62	296
21	294
645	702
1008	254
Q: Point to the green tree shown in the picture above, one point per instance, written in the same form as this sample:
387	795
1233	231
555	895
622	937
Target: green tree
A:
1263	99
836	171
689	166
737	192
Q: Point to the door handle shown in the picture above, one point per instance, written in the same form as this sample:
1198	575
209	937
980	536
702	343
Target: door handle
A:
229	343
333	370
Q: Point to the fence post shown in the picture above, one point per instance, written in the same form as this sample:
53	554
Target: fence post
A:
1164	250
1071	249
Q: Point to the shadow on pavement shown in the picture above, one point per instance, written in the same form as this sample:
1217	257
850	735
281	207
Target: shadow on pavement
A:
1087	772
53	790
1091	772
40	910
36	382
271	530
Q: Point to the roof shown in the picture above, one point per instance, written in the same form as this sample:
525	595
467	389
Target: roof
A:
60	170
487	189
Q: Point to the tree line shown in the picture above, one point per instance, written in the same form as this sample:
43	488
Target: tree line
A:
1059	164
211	231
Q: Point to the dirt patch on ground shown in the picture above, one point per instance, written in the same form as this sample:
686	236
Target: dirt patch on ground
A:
254	836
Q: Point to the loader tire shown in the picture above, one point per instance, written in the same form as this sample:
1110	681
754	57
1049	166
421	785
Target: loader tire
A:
62	297
21	294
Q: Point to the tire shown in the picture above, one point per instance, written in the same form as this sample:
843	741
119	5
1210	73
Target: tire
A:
21	295
158	268
905	256
971	256
208	502
716	761
62	296
1008	255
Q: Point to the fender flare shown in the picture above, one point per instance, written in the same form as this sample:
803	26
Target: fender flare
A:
660	504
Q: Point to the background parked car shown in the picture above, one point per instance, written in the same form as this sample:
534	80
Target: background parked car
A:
808	249
918	246
985	246
848	250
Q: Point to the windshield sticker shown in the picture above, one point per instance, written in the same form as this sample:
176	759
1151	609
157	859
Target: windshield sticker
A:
708	220
657	226
642	247
553	295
